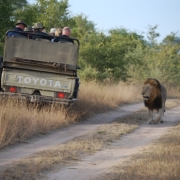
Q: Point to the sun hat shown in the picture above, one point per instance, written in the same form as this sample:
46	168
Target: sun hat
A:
21	22
38	25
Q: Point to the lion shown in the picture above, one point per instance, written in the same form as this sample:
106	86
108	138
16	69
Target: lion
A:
154	96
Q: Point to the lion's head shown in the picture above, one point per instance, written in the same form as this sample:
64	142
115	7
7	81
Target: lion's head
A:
151	89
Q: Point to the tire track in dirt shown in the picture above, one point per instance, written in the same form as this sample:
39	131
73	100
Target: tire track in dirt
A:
95	165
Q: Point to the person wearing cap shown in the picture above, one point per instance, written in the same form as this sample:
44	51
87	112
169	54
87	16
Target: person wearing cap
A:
38	31
20	25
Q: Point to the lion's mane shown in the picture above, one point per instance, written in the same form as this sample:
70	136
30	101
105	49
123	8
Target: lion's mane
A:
155	99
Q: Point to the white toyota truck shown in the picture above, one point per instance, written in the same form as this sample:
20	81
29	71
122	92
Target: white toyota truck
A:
39	70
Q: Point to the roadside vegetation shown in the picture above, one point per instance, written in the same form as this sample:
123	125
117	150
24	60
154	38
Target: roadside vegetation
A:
19	121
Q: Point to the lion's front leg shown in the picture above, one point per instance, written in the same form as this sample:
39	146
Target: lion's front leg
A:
150	121
159	116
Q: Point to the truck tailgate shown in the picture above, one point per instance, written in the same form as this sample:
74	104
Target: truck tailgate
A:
37	80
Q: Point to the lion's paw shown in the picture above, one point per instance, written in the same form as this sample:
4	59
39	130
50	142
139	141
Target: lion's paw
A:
155	121
150	122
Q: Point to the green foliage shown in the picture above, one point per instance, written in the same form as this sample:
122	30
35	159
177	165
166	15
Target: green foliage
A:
107	54
7	8
161	61
118	55
82	28
152	34
52	13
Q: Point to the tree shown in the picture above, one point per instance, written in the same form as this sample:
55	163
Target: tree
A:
51	13
7	8
152	35
106	55
171	39
82	28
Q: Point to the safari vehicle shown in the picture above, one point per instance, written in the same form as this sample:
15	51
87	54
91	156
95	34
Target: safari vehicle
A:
40	70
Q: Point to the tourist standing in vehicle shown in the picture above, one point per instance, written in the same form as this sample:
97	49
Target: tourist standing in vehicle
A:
20	25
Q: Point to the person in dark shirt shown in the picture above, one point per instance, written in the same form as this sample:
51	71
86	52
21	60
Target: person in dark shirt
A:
20	25
38	32
29	30
66	33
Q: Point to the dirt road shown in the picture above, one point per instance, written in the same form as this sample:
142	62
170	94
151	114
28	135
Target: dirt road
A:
92	166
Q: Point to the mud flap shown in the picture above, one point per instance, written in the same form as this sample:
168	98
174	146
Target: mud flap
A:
1	63
76	88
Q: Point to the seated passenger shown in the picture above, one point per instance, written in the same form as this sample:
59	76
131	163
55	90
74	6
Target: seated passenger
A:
58	33
52	31
20	25
66	33
38	32
28	29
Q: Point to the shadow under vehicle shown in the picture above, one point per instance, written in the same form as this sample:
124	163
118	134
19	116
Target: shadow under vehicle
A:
39	70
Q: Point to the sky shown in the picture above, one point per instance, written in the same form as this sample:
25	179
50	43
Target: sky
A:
133	15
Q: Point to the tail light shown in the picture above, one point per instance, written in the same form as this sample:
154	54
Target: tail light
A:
13	89
60	95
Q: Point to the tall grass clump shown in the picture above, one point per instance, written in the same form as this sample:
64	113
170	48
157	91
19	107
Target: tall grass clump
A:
18	122
173	91
98	97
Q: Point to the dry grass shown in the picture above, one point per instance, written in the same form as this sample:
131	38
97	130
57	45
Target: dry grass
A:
18	122
95	98
173	92
158	161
